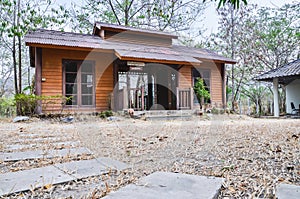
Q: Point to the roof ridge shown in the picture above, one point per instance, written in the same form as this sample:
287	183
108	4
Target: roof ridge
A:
59	31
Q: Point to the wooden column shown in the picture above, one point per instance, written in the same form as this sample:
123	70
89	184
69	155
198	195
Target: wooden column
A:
276	97
38	77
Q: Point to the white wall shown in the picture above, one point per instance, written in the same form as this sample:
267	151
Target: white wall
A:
293	95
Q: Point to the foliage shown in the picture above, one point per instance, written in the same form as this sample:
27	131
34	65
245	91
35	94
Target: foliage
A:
7	107
29	102
154	14
200	91
260	39
105	114
235	3
17	17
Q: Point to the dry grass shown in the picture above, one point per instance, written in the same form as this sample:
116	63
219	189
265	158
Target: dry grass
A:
253	155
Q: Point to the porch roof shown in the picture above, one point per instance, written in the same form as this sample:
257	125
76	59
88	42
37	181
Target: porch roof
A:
285	73
125	51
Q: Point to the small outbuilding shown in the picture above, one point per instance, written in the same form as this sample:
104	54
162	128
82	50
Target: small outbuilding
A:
289	76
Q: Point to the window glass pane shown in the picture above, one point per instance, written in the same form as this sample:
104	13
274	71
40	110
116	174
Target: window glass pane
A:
71	89
87	100
87	78
205	74
86	88
71	66
71	77
87	67
72	101
206	82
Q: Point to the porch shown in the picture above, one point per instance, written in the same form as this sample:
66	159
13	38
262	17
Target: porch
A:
149	86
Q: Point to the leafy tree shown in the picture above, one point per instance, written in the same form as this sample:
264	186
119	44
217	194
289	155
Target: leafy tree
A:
155	14
235	3
260	40
16	19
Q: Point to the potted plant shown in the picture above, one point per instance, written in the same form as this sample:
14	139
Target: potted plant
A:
201	93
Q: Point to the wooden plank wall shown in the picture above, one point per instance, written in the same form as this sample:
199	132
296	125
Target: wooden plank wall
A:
216	84
185	77
185	80
52	72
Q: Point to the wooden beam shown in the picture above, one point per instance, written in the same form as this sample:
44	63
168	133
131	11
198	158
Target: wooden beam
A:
276	97
156	60
68	47
38	77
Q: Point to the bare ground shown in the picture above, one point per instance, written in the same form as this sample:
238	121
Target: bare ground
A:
253	155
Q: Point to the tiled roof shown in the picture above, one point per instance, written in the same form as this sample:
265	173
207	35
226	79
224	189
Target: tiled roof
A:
127	28
288	70
139	51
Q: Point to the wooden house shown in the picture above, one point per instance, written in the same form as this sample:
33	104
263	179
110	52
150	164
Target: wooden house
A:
119	67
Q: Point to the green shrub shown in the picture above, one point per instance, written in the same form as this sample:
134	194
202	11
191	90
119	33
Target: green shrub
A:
105	114
27	103
7	107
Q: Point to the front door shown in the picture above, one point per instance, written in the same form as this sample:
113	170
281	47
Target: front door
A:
165	81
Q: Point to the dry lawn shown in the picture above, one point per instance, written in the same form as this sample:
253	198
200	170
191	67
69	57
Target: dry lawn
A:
253	155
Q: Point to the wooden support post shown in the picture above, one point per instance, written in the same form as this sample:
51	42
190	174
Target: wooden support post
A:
192	98
38	78
125	98
177	97
142	98
276	97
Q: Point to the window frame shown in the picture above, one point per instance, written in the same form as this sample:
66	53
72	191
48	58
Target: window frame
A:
79	82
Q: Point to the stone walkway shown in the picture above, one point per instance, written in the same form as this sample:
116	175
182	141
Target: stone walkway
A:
30	179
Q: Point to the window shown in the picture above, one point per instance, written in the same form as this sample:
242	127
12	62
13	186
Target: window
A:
203	74
78	79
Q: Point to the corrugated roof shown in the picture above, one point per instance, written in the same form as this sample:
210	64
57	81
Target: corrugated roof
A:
202	53
288	70
51	37
101	25
139	51
127	54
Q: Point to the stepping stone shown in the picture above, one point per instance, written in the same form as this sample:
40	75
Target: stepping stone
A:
20	119
111	163
55	144
288	191
25	180
16	156
13	182
83	168
163	185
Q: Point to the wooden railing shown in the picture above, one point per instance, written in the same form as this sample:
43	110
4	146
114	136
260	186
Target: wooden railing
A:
184	98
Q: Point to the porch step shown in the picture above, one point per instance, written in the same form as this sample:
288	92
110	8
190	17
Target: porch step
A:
165	114
168	117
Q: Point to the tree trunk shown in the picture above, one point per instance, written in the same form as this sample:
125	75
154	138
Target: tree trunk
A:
232	57
20	47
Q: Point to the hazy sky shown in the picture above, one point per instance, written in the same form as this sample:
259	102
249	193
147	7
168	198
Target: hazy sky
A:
211	17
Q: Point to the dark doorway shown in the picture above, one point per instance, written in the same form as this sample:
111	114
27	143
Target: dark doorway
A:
163	86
